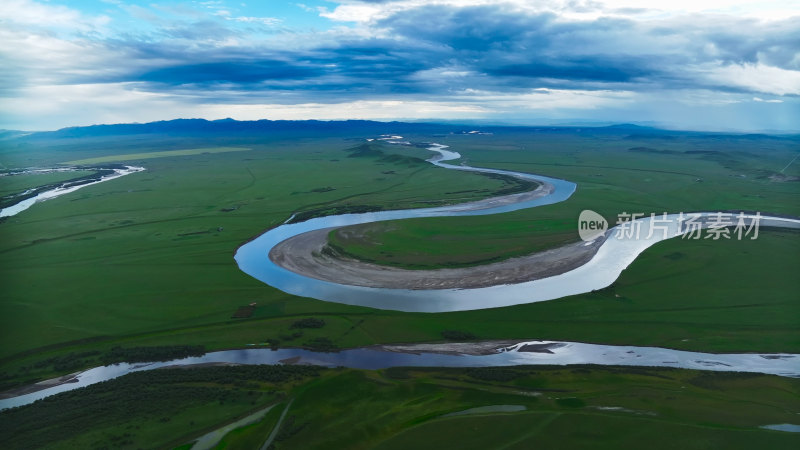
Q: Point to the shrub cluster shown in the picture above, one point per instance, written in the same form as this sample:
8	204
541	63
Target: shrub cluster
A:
309	322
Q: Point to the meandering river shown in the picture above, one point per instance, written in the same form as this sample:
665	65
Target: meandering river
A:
617	252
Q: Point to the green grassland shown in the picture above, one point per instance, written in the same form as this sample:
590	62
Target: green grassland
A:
14	184
152	252
151	155
613	175
147	259
150	409
565	407
411	244
252	436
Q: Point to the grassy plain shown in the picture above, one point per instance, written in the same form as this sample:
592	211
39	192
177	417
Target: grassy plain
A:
572	407
146	260
401	408
151	155
15	184
614	175
162	408
151	253
252	436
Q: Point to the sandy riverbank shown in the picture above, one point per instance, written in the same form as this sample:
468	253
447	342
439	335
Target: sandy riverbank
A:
41	385
303	254
478	348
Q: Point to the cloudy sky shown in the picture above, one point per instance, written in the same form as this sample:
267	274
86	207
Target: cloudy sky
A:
691	64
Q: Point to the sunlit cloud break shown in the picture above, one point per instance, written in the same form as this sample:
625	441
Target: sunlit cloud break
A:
732	65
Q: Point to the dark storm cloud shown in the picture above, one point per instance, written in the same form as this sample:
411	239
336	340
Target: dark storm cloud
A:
776	44
494	48
576	70
513	48
229	72
509	45
477	29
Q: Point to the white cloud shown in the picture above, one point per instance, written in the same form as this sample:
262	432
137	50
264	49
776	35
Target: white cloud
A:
34	14
351	13
356	11
761	9
759	99
58	106
47	51
547	99
261	20
41	58
360	109
756	77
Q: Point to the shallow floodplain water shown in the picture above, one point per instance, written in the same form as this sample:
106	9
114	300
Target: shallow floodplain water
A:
66	188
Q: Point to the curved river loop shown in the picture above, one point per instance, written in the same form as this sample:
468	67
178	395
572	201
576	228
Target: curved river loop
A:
618	251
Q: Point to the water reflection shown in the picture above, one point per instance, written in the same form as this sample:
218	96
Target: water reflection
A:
65	188
546	353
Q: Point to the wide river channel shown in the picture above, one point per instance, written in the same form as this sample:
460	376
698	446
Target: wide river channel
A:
380	357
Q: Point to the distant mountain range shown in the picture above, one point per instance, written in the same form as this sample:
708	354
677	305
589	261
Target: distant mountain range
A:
228	126
180	127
